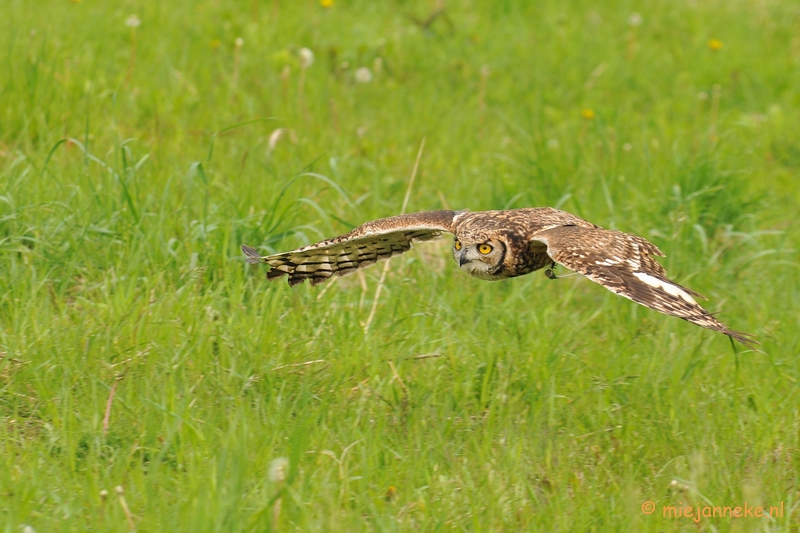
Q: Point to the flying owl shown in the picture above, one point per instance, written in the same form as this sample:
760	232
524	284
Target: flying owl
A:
495	245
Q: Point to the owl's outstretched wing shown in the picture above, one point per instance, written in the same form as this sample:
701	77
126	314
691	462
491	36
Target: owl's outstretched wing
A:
624	264
365	245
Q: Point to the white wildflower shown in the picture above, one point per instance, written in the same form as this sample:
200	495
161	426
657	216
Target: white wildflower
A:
278	468
306	57
635	19
133	21
363	75
274	137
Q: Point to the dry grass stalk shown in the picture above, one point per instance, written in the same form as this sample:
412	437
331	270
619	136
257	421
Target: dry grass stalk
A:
398	378
237	53
107	417
295	365
124	504
427	356
715	95
388	261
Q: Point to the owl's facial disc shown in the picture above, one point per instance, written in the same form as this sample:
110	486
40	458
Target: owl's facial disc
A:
479	259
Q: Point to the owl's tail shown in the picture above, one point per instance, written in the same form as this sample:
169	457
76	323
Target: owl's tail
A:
252	254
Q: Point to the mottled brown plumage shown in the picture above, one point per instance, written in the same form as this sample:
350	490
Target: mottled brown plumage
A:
494	245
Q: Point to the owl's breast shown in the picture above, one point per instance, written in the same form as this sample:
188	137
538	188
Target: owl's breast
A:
522	260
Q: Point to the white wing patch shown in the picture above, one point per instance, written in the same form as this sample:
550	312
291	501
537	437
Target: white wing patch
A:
665	286
624	264
610	261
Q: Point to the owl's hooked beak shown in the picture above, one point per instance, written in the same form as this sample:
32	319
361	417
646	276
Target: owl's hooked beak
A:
462	258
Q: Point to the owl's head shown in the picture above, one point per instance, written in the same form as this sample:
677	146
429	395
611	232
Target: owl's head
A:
482	259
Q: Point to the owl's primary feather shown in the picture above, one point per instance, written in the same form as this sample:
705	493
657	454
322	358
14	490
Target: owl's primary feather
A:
362	247
496	245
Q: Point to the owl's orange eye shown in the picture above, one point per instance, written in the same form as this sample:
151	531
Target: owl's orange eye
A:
485	248
457	244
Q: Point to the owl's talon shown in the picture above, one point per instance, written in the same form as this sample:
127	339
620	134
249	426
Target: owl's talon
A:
551	272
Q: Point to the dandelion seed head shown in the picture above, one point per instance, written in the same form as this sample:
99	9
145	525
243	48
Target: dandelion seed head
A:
239	42
133	21
103	494
274	137
119	490
634	19
278	469
28	529
627	147
702	95
553	144
306	57
363	75
752	120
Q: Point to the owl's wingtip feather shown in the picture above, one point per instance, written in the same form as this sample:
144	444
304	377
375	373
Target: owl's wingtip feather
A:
748	339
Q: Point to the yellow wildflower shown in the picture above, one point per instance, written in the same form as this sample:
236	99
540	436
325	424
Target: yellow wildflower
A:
715	44
326	3
215	43
588	114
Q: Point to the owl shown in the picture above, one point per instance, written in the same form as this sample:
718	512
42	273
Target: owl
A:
497	245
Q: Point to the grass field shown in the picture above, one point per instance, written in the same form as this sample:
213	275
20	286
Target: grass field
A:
138	350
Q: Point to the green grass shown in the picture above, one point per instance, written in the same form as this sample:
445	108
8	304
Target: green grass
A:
128	183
